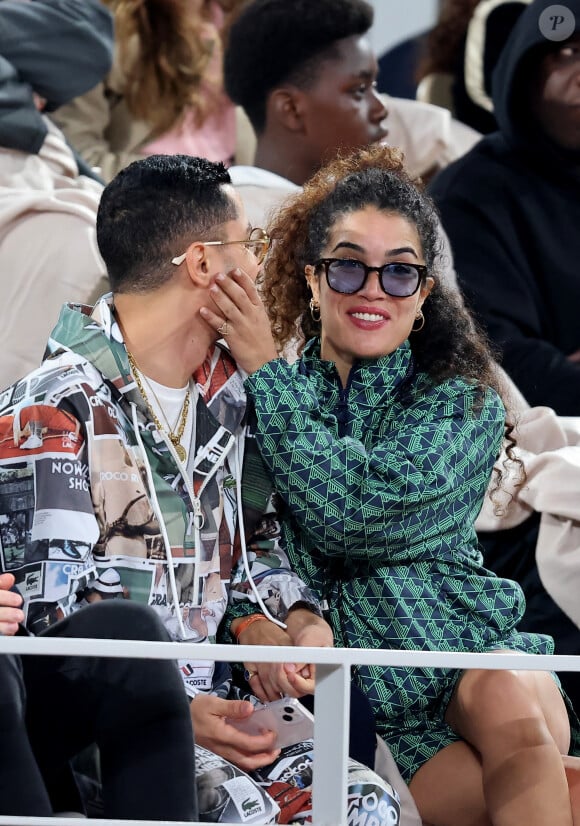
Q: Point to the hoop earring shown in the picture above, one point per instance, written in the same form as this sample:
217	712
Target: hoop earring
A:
314	310
418	318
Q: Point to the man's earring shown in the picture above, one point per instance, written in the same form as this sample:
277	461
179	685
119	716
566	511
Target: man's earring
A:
419	322
314	310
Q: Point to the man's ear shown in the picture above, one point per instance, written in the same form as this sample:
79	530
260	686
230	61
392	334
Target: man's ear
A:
285	107
198	265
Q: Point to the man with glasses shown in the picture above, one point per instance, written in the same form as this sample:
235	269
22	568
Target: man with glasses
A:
144	460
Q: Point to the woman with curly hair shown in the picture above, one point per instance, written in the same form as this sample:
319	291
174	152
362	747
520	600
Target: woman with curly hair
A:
381	439
164	93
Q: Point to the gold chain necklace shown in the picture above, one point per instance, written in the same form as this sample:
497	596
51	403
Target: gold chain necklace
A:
175	435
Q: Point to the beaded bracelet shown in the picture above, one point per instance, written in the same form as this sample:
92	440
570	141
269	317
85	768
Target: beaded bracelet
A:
245	623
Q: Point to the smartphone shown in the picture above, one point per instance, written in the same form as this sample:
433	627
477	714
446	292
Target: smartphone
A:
288	717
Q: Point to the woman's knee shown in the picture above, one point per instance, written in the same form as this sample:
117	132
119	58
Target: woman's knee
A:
502	706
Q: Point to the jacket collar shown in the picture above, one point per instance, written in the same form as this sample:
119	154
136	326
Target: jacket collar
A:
378	378
94	334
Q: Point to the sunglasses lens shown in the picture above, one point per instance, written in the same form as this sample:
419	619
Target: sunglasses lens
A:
400	280
346	276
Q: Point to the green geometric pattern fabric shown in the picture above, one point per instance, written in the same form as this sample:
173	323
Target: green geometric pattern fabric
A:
382	482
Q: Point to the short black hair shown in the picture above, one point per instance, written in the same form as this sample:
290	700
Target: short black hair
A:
152	209
284	41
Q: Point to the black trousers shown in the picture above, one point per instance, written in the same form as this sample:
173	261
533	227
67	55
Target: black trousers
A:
135	711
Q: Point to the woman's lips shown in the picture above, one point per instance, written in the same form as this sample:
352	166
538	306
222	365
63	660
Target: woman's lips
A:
366	318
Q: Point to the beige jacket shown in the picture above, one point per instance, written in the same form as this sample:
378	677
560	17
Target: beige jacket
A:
108	137
549	447
102	130
48	248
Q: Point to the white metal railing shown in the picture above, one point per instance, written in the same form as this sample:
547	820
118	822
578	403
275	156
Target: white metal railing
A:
332	698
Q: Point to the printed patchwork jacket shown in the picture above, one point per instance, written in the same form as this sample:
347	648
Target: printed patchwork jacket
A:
95	504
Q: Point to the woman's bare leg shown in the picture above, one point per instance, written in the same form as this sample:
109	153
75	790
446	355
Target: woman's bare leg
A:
517	723
572	768
448	789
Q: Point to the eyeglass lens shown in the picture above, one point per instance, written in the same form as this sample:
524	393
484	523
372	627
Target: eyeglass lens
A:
400	280
258	243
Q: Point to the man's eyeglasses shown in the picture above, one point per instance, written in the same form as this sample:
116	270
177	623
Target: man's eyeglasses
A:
348	276
257	244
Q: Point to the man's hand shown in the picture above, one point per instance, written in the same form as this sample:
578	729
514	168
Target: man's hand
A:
308	630
212	730
10	602
269	681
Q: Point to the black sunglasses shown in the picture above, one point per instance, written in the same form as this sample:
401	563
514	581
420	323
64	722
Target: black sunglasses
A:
397	279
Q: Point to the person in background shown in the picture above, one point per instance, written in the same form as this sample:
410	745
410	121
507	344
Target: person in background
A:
49	53
397	67
381	440
459	55
164	93
304	73
511	209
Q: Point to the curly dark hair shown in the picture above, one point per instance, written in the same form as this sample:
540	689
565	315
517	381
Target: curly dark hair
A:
272	42
450	344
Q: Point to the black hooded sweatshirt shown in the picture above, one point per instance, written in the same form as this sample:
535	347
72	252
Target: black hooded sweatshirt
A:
511	208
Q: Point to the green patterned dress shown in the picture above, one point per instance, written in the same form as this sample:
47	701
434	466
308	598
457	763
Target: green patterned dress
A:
383	481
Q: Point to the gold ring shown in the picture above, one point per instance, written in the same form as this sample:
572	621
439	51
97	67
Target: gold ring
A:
249	674
223	329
